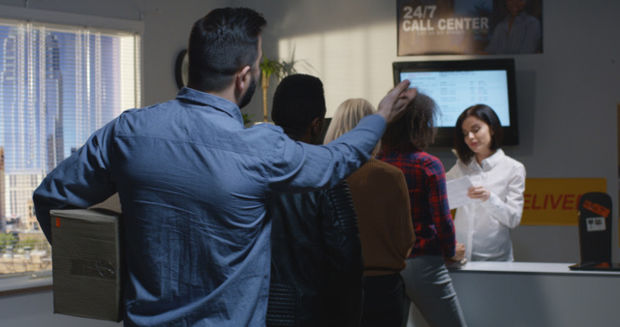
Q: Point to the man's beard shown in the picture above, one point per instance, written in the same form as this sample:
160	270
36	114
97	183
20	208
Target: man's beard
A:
245	99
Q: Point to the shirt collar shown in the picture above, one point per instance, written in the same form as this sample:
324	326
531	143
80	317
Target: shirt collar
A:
492	161
207	99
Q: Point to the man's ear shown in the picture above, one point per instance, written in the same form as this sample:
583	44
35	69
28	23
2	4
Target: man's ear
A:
243	79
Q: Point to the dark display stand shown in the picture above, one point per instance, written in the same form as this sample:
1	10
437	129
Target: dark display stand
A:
595	232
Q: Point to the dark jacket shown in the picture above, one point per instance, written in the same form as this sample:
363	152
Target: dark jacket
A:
316	263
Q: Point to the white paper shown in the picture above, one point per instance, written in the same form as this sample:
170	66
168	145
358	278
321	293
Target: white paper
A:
457	192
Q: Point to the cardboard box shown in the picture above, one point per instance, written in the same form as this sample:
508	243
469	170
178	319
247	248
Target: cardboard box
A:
86	257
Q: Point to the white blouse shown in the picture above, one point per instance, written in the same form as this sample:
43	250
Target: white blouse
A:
484	226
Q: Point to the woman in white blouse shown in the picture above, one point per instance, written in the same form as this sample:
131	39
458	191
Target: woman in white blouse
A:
498	182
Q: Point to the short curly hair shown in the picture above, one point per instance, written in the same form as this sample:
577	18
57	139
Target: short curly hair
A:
415	128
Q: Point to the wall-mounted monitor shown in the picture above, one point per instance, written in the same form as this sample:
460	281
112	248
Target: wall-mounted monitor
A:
456	85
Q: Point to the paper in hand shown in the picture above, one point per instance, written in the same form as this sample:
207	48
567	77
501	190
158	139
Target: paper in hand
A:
457	192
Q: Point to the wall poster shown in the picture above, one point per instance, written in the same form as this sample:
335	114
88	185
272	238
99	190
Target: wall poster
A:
555	201
429	27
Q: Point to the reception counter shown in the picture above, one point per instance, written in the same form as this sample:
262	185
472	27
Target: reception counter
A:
534	294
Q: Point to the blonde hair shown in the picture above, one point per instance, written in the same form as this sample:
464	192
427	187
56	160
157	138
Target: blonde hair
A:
348	114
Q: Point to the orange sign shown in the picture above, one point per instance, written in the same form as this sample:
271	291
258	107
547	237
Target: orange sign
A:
554	201
596	208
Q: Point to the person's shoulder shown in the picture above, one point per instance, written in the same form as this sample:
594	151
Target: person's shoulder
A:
147	112
133	112
340	188
294	199
414	158
529	19
145	120
431	164
265	134
384	168
428	159
376	170
458	169
154	107
512	162
517	165
266	128
269	142
127	118
511	165
378	164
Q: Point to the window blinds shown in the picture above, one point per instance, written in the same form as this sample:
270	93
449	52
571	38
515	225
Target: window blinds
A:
58	84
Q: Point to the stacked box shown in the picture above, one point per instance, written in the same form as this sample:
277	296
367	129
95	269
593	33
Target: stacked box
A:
86	256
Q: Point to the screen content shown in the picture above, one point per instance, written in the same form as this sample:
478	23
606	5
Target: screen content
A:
454	91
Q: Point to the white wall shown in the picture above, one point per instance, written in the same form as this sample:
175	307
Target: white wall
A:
567	96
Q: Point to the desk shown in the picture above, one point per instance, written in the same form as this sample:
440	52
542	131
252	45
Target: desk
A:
534	294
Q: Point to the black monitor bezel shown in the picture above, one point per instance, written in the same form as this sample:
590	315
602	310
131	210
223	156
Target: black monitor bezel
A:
445	135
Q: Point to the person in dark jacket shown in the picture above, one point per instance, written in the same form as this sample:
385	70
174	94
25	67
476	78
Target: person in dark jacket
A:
316	263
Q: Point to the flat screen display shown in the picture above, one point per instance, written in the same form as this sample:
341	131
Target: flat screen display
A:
457	85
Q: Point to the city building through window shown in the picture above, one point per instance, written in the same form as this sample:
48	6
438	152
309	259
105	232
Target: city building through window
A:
58	84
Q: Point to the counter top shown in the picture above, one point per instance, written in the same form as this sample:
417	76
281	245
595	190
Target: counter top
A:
535	294
527	267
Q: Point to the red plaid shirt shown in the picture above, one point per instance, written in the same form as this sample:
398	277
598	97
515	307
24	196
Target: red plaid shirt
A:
432	221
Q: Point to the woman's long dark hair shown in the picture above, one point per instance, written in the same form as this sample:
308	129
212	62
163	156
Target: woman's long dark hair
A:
415	128
487	115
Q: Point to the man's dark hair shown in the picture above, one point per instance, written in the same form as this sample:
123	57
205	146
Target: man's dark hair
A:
487	115
220	44
298	100
415	129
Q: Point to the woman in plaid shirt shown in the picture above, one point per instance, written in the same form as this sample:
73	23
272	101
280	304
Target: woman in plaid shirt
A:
426	278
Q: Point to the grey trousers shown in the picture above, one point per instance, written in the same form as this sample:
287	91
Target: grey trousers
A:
429	286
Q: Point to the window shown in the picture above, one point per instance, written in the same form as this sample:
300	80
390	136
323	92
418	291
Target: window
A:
58	84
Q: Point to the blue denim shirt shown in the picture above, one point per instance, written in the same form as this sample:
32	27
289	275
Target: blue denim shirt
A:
192	183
